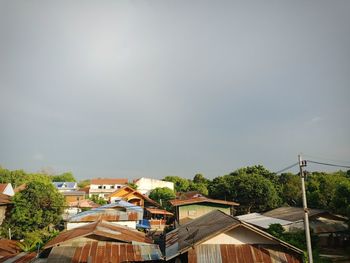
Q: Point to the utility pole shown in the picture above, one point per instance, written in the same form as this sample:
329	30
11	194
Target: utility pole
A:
306	211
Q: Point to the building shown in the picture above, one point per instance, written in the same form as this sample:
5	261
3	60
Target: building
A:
262	221
119	213
5	202
103	187
101	241
7	189
146	185
10	252
331	229
73	196
219	237
132	196
63	187
189	209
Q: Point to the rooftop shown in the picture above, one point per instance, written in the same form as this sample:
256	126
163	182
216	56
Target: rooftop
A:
102	181
202	199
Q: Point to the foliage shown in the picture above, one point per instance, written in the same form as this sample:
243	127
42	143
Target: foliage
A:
180	184
254	192
132	185
341	199
34	208
98	200
83	183
290	189
162	195
65	177
36	239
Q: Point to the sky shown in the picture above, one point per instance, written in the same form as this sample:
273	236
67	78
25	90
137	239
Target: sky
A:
131	89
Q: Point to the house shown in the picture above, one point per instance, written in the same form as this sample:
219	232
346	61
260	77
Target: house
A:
132	196
262	221
7	189
103	187
219	237
330	228
120	213
5	202
189	209
77	207
146	185
72	196
101	241
188	195
63	187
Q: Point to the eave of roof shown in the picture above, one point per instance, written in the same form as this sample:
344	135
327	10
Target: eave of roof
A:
177	202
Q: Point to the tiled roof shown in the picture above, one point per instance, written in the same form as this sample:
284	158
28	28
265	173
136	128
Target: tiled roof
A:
105	252
202	199
100	230
101	181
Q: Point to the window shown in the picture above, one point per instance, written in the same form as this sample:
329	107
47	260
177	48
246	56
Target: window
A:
112	186
100	187
118	186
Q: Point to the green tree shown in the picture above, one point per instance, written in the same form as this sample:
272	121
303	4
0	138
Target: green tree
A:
98	200
65	177
84	183
180	184
162	195
341	200
38	206
132	185
290	189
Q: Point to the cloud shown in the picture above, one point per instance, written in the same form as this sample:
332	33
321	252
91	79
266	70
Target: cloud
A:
38	157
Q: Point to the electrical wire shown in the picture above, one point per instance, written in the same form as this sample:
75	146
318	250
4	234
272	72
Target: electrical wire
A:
329	164
287	168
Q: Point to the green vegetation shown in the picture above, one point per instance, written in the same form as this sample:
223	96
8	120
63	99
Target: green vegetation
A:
162	195
39	206
97	200
65	177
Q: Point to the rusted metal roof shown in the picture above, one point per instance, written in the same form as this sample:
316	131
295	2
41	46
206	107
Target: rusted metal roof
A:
100	230
19	258
202	199
118	211
105	252
86	203
8	247
5	199
3	187
102	181
293	213
241	253
158	211
206	227
188	195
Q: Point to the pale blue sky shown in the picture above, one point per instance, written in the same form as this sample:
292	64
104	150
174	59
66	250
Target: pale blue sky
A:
156	88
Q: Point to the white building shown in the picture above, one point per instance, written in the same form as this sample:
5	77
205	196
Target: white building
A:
146	185
102	187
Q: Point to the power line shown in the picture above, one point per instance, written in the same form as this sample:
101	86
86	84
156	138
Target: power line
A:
287	168
329	164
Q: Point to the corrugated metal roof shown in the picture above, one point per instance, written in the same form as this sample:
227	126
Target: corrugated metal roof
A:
241	253
158	211
206	227
132	191
19	258
8	247
68	193
3	187
101	230
5	199
105	252
102	181
110	212
262	221
292	213
321	225
86	203
202	199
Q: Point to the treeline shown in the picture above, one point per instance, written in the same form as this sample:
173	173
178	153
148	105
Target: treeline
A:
258	190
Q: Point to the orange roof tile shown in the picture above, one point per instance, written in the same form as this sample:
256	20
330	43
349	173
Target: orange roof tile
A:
109	181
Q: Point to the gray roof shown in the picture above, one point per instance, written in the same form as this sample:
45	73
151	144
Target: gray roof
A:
293	213
261	220
65	185
204	228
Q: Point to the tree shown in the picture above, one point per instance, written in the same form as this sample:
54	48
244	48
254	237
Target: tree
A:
98	200
162	195
290	189
180	184
84	183
38	206
341	200
65	177
254	192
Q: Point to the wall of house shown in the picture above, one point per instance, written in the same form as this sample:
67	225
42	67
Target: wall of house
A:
239	235
73	198
196	210
146	185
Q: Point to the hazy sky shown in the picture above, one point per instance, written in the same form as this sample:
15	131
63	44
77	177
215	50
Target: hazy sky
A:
156	88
